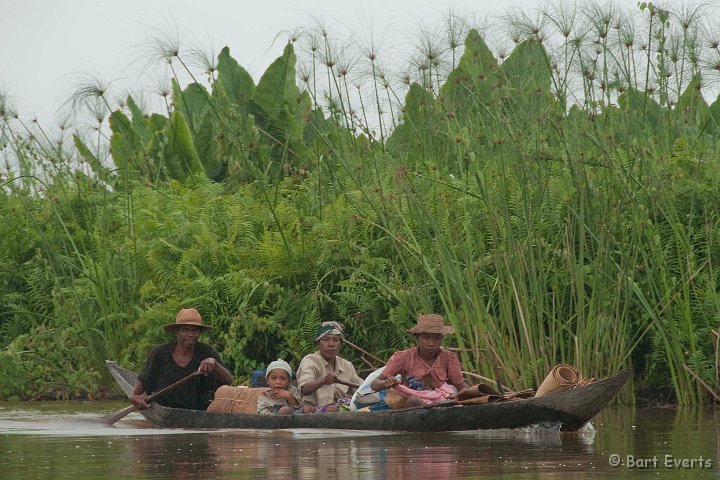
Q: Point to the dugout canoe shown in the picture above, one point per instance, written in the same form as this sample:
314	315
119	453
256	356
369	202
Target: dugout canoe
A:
570	408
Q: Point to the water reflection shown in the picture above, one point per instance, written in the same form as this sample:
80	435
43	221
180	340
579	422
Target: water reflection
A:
172	456
355	455
38	444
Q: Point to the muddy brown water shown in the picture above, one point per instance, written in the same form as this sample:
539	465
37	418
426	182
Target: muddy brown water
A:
58	440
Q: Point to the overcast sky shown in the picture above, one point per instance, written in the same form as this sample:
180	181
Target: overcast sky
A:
45	43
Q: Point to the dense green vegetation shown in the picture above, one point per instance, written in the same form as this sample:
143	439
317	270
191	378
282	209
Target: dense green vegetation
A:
558	203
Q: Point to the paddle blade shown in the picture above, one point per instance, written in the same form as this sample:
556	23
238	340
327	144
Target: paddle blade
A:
114	417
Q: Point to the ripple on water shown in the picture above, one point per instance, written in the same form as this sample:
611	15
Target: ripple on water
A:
72	419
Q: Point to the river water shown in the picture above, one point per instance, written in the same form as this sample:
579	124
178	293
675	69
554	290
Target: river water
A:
59	440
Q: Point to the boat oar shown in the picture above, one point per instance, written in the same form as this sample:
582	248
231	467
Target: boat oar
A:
349	384
114	417
499	381
442	403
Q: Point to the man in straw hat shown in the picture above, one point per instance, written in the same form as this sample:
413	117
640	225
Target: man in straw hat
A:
320	374
425	367
174	361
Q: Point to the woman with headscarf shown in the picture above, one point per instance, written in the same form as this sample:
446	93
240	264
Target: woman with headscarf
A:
323	375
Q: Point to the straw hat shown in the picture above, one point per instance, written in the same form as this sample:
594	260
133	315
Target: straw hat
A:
433	323
187	316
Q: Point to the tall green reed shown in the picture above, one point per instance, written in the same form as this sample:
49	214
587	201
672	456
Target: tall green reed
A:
549	311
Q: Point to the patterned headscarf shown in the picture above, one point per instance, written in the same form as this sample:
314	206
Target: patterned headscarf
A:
329	328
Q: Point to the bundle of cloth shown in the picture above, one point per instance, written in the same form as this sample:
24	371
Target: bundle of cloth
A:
397	396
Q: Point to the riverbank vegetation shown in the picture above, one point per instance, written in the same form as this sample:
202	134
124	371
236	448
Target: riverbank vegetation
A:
556	198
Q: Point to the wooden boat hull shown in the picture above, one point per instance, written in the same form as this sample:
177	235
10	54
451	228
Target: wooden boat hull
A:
570	408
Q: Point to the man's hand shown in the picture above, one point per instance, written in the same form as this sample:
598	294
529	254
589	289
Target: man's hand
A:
140	401
207	366
329	379
383	382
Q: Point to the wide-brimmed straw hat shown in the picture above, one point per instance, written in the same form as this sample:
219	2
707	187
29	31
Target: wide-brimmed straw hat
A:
187	317
432	323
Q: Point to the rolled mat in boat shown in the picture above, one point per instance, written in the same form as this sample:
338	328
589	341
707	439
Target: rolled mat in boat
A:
561	377
483	393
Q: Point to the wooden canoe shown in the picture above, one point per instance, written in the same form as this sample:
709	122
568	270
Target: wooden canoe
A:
570	408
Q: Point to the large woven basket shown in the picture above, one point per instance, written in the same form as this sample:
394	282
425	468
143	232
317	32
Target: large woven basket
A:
236	399
394	400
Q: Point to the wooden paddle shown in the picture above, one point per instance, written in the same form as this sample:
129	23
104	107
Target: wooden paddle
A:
442	403
114	417
349	384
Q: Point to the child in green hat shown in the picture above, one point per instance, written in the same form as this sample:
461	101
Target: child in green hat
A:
281	398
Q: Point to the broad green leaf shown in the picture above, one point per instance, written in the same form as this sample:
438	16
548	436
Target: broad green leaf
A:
157	122
424	125
139	120
211	146
526	70
642	105
473	78
279	100
419	106
95	164
180	154
192	102
125	145
691	105
233	80
523	93
277	87
714	112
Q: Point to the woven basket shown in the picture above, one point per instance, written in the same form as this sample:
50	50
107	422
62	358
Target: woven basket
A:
394	400
236	399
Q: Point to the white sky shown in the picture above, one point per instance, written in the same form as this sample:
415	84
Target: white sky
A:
43	43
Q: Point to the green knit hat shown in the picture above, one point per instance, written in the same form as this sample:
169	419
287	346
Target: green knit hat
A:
279	365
